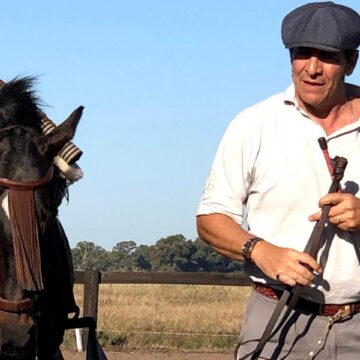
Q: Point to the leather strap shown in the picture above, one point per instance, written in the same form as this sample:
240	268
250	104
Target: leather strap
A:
15	306
24	230
307	306
28	185
290	295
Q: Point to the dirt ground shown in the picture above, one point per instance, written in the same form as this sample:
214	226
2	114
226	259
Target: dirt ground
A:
154	355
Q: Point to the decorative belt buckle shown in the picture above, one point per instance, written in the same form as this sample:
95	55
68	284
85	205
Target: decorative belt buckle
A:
344	312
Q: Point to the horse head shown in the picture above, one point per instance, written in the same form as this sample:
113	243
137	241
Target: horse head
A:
31	190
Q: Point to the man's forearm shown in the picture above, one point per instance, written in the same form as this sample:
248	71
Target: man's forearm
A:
225	235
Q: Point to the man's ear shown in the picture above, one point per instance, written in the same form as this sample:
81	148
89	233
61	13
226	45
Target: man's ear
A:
53	142
352	60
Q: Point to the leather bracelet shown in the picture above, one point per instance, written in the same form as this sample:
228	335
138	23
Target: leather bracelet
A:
249	246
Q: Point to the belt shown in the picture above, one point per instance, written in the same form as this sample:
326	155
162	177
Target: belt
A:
307	306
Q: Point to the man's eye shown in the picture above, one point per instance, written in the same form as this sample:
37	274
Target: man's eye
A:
329	57
302	54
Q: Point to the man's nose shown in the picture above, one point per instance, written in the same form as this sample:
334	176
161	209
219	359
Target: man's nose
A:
313	66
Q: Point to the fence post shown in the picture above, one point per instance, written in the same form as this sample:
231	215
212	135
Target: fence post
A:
91	295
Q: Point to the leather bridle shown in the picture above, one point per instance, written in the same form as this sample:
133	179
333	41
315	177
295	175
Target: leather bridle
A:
23	225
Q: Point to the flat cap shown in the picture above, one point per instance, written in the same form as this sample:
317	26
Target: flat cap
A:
322	25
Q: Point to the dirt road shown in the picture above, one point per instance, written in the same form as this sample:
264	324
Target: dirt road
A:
154	355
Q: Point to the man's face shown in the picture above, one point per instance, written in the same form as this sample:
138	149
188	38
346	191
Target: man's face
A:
318	77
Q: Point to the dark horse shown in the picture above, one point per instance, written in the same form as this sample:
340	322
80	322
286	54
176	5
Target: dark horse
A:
36	275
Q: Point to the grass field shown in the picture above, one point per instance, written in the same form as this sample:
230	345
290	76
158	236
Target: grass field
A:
187	317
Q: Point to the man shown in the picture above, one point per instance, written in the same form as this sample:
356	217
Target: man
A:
269	161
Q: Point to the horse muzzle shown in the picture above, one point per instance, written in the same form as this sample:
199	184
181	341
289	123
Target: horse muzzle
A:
14	332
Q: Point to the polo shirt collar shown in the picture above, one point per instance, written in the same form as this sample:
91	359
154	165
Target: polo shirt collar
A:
290	99
289	95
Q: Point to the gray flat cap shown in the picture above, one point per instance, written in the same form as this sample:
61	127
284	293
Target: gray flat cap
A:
322	25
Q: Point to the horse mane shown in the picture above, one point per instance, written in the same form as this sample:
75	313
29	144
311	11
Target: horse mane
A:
19	104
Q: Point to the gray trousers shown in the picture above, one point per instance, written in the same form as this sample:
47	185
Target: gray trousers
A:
303	336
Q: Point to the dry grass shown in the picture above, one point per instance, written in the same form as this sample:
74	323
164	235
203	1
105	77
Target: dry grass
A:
169	316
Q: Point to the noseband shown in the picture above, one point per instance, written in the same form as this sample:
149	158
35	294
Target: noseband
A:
28	185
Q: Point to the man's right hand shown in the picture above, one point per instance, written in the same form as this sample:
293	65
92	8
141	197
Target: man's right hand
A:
287	265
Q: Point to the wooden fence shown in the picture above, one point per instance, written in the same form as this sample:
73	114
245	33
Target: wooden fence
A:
92	280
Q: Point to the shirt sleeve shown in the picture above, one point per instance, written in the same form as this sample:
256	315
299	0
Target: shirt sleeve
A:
229	181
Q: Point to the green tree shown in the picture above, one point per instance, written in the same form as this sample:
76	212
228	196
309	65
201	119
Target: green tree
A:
173	253
209	260
140	258
88	256
121	255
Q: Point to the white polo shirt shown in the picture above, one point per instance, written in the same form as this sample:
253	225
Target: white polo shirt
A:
270	161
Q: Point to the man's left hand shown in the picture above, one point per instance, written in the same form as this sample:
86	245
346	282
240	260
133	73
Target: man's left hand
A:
344	212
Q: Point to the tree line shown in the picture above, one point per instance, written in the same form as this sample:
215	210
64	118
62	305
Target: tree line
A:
172	253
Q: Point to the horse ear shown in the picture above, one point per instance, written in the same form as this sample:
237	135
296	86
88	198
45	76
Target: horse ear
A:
53	142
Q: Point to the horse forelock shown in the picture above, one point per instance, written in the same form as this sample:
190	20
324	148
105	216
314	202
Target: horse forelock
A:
20	127
19	104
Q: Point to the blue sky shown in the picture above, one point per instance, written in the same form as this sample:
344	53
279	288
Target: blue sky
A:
160	81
